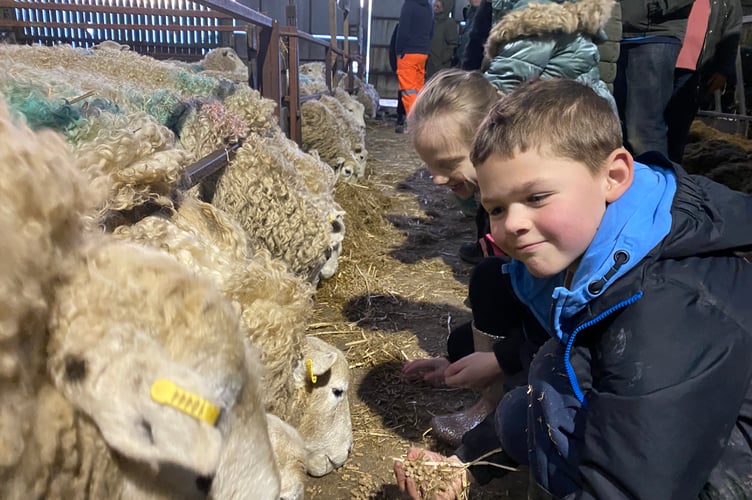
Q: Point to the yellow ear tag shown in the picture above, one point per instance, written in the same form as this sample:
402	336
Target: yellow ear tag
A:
331	217
309	371
167	393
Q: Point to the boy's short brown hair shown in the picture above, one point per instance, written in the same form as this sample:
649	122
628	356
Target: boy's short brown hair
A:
556	116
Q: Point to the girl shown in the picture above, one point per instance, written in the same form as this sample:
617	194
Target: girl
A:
442	125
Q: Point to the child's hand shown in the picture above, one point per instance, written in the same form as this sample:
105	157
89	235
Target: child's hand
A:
475	371
431	369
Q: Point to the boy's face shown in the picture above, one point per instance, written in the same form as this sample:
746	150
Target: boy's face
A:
544	211
438	7
447	157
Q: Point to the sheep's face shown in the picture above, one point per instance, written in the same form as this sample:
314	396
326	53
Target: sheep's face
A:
337	237
357	110
313	69
325	410
361	157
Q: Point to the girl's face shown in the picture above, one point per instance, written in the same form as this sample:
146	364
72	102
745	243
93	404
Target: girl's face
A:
446	154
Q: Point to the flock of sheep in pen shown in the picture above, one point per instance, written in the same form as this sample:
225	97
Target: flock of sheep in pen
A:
152	333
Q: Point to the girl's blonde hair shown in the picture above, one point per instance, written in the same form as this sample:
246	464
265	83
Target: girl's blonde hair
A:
466	96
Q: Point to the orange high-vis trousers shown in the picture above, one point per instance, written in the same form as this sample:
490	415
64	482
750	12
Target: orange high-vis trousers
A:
411	74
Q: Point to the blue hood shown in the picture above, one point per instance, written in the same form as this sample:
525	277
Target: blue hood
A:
631	227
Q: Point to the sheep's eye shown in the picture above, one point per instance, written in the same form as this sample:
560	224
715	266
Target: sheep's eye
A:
338	392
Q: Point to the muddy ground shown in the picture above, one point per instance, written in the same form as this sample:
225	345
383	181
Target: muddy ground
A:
399	289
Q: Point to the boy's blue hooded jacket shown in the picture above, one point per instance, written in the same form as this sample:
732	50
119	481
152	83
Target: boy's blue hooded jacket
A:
657	334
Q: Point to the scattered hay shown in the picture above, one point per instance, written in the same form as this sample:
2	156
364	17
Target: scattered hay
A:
701	132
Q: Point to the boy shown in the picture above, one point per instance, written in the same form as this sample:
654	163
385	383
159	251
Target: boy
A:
643	390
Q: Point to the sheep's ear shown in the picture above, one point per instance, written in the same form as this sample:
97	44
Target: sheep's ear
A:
318	358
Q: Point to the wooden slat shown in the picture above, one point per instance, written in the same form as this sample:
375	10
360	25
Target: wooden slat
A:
110	26
110	9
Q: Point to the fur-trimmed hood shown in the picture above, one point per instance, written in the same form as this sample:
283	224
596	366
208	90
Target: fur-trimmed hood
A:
532	18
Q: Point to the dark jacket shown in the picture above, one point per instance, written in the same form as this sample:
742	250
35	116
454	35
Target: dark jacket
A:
416	28
721	39
471	56
662	357
609	47
444	41
642	18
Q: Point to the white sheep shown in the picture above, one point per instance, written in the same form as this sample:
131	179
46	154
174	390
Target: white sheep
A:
224	62
266	195
351	104
275	309
155	356
323	132
45	202
354	133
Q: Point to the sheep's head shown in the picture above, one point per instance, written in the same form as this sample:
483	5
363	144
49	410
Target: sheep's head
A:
338	236
347	169
361	157
131	346
323	379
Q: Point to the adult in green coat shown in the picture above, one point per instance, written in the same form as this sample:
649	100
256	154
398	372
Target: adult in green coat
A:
445	38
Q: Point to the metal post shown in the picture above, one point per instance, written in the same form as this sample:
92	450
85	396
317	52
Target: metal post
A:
332	42
293	101
269	64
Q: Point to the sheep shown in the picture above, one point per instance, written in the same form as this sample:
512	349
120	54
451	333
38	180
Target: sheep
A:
323	133
326	383
319	178
354	133
315	70
275	308
275	305
46	204
224	62
290	455
139	157
354	107
51	448
208	127
365	93
155	356
268	198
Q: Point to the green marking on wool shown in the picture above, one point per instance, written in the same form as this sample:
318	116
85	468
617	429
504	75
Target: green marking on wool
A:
195	84
40	113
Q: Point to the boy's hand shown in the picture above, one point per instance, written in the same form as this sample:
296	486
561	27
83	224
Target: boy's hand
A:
475	371
431	369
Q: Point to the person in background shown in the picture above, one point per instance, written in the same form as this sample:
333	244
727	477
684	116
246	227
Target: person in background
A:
706	63
547	39
636	271
471	57
445	38
652	35
412	46
468	16
400	124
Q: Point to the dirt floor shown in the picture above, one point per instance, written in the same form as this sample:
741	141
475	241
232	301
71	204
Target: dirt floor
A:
399	289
